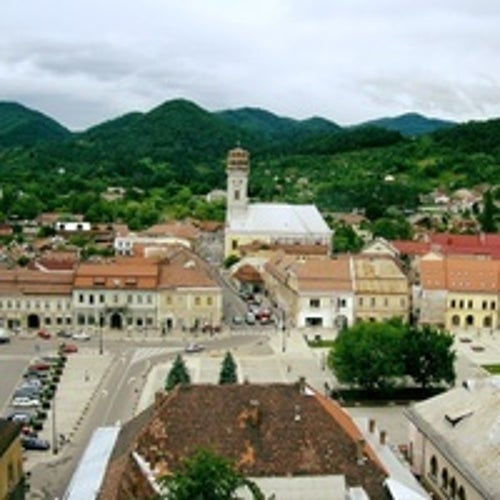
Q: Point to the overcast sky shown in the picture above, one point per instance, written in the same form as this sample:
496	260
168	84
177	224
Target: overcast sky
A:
86	61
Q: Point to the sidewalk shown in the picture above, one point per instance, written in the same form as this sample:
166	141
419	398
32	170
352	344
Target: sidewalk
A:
78	386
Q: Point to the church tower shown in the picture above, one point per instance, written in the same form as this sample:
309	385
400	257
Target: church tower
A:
237	170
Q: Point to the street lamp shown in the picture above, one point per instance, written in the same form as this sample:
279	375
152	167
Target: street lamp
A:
101	337
55	447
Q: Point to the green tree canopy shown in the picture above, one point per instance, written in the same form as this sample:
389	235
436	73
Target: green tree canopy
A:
368	354
428	355
206	476
376	355
228	374
345	239
487	218
178	374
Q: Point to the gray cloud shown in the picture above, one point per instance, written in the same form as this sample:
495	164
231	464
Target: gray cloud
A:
84	62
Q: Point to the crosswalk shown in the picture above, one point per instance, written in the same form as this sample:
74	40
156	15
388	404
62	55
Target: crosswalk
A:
145	353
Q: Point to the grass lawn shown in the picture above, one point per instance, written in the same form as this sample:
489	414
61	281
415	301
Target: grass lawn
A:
320	343
493	369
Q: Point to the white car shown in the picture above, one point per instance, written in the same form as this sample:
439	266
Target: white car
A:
26	402
81	336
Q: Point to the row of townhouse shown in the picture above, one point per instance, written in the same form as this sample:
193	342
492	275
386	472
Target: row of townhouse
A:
459	293
176	292
336	292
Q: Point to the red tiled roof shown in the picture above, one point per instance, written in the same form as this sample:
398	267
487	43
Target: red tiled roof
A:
266	430
247	274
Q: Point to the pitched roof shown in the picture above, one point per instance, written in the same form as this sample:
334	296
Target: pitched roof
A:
266	430
463	424
247	274
128	272
28	281
324	274
280	218
461	274
379	275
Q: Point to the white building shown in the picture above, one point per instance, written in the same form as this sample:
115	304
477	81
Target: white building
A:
268	223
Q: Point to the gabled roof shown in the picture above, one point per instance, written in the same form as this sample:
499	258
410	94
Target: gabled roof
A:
266	430
463	424
278	219
461	274
28	281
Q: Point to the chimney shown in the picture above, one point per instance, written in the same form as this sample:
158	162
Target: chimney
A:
254	413
383	437
371	425
360	457
158	399
302	385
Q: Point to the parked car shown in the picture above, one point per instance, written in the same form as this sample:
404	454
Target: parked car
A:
44	334
34	443
237	320
4	336
32	373
69	348
39	366
26	402
20	416
194	348
30	392
32	382
64	334
250	318
80	336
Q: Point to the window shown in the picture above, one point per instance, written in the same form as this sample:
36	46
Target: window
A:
80	319
444	479
470	304
386	302
402	302
453	304
236	194
130	299
360	301
47	321
197	301
139	299
469	320
453	488
9	304
455	320
342	303
80	298
485	305
209	301
314	303
461	493
234	244
91	298
149	298
372	301
493	305
101	298
461	303
434	466
487	322
168	300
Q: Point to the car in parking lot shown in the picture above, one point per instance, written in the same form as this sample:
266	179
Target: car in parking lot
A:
25	402
34	443
64	334
80	336
194	348
20	416
27	391
4	336
39	366
237	320
69	348
44	334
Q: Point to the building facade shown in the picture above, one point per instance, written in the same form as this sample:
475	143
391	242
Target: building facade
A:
11	461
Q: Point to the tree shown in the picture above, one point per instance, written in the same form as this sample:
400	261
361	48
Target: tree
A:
345	239
369	355
178	374
428	356
206	476
228	374
488	215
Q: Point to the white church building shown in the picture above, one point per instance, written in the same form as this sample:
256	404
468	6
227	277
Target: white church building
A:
266	223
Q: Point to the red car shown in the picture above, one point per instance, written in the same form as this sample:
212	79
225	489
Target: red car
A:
44	334
69	348
39	366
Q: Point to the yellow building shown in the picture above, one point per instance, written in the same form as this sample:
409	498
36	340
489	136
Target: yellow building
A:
11	461
382	290
267	223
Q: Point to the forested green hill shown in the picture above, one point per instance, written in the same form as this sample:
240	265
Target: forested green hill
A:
170	156
20	126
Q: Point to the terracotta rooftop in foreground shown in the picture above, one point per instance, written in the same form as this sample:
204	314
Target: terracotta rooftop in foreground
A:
266	430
